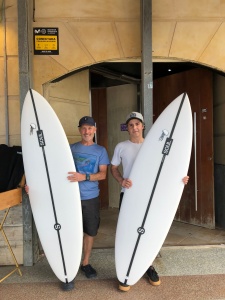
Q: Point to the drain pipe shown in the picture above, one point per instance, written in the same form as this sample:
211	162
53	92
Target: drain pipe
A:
5	78
25	8
146	64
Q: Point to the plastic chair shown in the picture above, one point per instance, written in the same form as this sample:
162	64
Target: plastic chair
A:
7	200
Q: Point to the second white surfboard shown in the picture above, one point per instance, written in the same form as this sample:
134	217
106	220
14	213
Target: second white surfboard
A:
148	208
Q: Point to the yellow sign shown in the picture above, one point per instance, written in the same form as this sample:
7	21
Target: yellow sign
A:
46	41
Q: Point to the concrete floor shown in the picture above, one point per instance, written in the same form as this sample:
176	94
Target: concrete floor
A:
180	234
190	265
186	272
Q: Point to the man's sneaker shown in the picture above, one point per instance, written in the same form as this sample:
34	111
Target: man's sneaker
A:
153	276
67	286
124	287
89	271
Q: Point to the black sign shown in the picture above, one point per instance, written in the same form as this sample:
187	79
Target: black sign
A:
41	138
167	146
46	41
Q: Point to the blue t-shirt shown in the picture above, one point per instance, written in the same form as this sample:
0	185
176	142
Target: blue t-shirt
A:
87	161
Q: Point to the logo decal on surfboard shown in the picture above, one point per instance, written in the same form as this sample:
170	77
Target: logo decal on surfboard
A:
164	133
167	146
57	226
41	139
141	230
32	127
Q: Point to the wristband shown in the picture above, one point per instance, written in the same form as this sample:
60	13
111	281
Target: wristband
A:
87	177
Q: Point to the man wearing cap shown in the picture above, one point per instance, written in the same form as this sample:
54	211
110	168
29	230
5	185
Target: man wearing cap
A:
91	161
125	153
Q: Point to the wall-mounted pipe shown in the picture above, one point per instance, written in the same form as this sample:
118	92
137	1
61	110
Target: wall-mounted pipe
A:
5	77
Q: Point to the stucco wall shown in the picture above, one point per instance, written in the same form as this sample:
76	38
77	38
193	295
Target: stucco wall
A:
121	100
9	79
70	99
96	31
89	32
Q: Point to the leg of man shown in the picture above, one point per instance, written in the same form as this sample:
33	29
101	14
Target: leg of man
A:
87	247
88	270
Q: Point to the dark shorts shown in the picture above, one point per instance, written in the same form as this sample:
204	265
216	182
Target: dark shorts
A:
91	216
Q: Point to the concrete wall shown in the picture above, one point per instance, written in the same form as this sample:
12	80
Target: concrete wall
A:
70	99
14	231
96	31
9	80
89	32
121	100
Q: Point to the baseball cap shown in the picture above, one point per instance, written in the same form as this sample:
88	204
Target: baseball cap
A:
134	115
86	120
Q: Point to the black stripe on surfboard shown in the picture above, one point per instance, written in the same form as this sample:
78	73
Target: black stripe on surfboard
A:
41	141
165	152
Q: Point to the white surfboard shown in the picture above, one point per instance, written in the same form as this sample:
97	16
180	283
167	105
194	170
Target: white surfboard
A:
55	202
149	207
